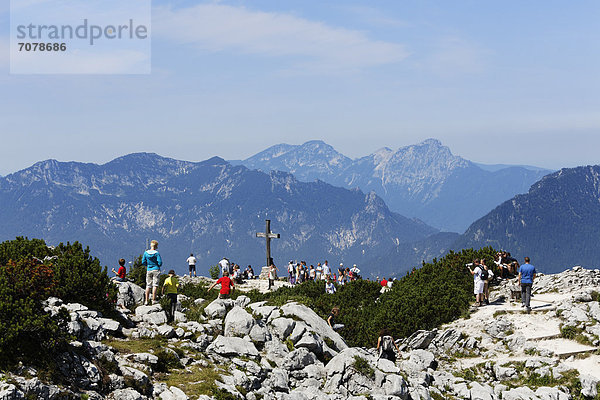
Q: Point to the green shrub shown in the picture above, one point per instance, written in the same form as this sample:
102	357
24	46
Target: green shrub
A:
214	272
137	272
81	279
568	332
27	333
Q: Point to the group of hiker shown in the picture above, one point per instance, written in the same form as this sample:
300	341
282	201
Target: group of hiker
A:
299	272
508	266
151	259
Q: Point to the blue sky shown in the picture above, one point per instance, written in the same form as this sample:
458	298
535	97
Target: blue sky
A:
496	81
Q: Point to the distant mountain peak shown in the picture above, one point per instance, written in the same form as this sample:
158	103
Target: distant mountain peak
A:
431	142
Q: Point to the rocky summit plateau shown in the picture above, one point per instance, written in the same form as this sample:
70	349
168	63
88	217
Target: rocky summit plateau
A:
238	349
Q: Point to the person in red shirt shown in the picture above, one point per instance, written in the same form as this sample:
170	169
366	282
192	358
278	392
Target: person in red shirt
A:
384	282
226	283
121	272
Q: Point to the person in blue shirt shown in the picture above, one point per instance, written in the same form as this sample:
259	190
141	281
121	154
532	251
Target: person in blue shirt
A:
152	260
526	277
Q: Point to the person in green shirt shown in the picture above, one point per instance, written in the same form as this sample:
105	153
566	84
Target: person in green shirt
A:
170	288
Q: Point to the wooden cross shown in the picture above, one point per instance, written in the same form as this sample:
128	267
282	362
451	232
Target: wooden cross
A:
268	236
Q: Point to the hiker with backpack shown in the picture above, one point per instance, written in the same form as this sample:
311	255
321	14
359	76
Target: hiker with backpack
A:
478	283
486	276
386	346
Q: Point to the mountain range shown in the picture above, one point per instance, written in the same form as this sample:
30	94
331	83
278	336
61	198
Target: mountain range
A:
424	181
214	209
556	224
210	208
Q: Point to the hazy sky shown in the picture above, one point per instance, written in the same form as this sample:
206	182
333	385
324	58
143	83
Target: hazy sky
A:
507	81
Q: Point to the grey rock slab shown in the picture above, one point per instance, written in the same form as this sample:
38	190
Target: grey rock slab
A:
461	390
275	352
504	373
316	323
551	393
166	331
447	339
588	385
520	393
129	294
109	325
498	327
238	322
218	308
259	332
180	317
421	339
156	318
241	301
143	310
144	358
299	329
423	358
282	327
173	393
192	326
232	346
482	392
395	385
298	359
125	394
312	342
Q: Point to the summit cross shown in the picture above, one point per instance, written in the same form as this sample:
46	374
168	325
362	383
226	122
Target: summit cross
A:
268	235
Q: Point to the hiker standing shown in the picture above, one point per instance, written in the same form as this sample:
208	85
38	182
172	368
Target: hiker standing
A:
386	346
486	276
526	277
170	286
477	282
272	275
152	260
224	264
191	260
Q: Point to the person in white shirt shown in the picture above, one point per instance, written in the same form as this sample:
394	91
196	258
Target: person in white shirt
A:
478	283
224	264
355	271
191	260
326	270
318	272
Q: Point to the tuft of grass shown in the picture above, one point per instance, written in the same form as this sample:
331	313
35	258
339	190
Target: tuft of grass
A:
289	344
362	367
195	381
499	313
145	345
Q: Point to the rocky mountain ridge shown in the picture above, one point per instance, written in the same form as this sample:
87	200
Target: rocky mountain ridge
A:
210	208
424	180
555	223
238	349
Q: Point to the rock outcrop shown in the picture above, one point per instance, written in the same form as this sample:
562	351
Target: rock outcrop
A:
260	351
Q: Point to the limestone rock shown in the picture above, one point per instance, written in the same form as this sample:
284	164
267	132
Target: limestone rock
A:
232	346
238	322
588	385
316	323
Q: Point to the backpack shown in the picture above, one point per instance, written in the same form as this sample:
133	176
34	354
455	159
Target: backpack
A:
484	275
387	344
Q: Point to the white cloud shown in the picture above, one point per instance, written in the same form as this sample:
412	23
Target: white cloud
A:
318	46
